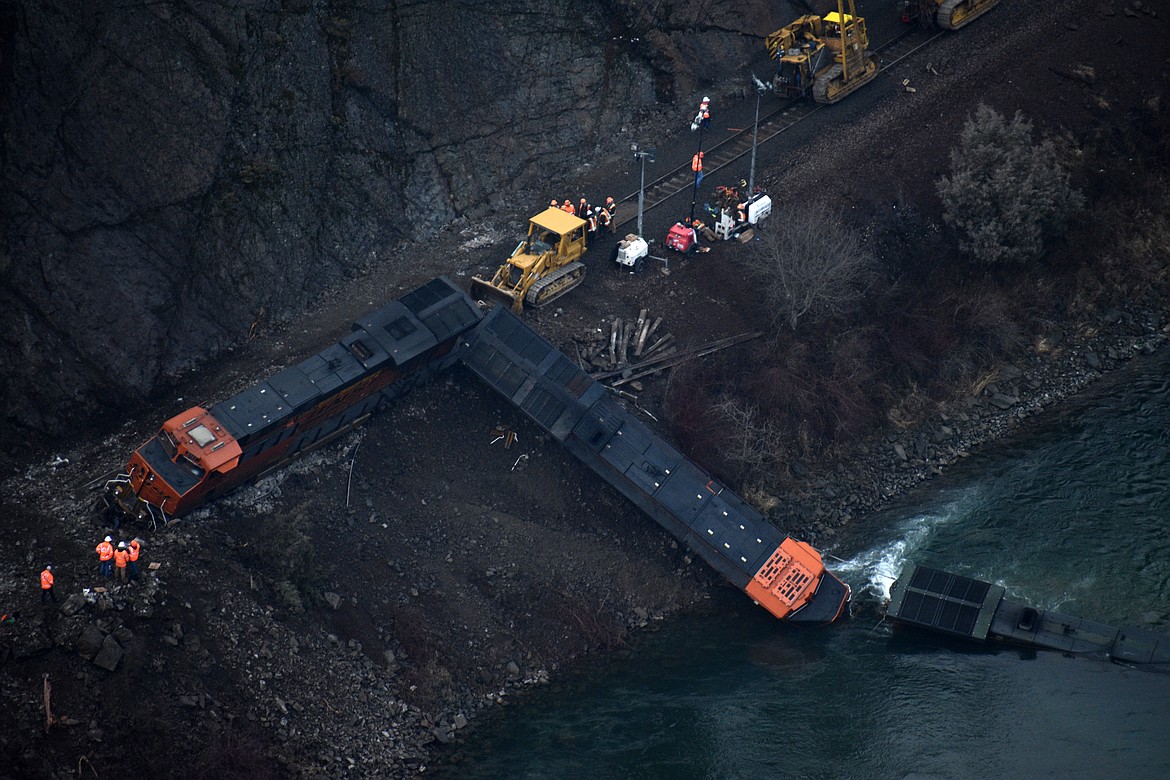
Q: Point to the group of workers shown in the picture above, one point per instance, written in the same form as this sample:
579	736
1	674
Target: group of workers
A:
596	217
123	558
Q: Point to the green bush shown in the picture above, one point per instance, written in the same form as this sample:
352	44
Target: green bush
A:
1006	194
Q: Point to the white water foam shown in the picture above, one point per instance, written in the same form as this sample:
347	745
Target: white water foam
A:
878	567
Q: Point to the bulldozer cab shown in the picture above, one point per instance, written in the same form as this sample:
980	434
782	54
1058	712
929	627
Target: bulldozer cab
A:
842	30
553	231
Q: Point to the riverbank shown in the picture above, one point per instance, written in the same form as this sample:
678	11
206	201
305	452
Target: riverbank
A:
354	613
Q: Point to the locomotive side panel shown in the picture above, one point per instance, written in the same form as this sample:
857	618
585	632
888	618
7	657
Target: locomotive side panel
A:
717	525
387	353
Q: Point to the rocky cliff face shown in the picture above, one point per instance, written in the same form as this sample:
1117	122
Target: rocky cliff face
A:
174	172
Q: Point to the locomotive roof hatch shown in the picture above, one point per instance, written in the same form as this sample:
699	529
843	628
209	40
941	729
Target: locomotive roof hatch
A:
199	435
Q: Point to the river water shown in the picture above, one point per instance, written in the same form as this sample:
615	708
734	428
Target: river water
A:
1070	514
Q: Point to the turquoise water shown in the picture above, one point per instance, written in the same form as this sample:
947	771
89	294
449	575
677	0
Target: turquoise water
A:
1069	514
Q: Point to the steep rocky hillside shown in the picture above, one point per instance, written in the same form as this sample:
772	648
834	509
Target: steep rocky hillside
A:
174	173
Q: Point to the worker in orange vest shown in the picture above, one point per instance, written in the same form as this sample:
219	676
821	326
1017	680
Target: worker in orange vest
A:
607	216
568	207
697	162
135	548
121	558
47	585
105	552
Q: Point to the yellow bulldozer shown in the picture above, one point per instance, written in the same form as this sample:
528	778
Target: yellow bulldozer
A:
544	266
946	14
823	57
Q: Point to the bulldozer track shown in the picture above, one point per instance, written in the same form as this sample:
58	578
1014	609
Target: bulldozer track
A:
787	116
553	285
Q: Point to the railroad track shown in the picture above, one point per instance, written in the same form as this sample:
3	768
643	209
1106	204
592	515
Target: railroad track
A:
787	116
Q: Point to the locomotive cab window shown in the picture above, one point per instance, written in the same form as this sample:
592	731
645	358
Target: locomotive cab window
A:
169	445
191	465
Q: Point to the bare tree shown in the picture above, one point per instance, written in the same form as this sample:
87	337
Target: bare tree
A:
811	264
751	443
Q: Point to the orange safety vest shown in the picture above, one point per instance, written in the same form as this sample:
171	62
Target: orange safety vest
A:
569	209
697	162
135	548
46	579
105	551
120	558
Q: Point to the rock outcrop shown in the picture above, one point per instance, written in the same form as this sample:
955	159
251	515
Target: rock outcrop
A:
176	174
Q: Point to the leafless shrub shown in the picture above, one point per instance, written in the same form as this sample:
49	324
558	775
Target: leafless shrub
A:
750	437
811	264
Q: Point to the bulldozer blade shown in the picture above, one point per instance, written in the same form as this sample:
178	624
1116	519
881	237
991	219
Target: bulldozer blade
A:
484	290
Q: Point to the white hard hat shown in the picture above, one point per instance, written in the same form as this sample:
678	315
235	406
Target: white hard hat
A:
48	567
108	539
121	545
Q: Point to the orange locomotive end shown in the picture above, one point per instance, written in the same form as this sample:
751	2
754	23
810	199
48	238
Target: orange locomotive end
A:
172	471
794	579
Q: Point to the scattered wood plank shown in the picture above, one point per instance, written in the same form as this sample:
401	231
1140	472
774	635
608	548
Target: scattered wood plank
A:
614	327
642	332
662	342
685	355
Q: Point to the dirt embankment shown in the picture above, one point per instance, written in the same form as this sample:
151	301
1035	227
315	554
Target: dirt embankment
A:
352	614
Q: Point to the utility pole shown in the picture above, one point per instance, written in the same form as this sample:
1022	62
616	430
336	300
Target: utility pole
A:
641	155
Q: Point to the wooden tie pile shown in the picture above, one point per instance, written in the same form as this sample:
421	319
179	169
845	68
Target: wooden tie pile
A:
634	350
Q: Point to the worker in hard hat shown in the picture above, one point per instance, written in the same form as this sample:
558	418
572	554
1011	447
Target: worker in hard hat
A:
121	559
135	548
105	552
47	585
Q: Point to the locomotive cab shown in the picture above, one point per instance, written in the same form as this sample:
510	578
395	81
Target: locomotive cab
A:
175	469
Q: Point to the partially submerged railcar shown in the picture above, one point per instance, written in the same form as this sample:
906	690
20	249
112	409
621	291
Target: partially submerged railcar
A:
963	607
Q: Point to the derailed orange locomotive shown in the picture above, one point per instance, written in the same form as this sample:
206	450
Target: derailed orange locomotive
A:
206	452
203	453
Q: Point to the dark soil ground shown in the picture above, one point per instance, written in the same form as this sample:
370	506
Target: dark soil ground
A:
350	614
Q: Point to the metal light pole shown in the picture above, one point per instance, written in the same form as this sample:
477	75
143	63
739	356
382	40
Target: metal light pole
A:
641	155
761	87
700	123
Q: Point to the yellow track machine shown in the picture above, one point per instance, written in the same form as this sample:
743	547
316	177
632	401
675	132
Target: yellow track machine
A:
543	266
825	57
947	14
